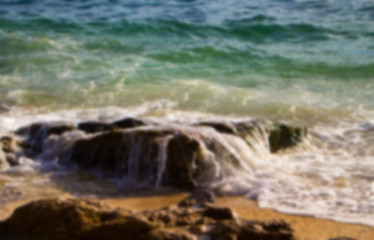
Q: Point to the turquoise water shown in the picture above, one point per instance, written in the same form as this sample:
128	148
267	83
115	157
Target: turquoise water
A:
297	60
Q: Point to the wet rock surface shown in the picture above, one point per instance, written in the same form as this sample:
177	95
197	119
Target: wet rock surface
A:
181	155
87	219
282	136
35	134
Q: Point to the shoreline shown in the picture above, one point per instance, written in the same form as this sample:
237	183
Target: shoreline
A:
305	227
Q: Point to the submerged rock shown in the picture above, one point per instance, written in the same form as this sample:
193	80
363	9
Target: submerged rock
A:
84	219
282	136
180	155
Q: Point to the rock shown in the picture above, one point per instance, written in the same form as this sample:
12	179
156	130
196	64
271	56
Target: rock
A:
136	153
56	219
179	155
198	198
248	128
128	123
222	127
87	220
126	228
94	127
7	144
225	230
36	133
12	159
181	152
219	213
273	230
8	152
242	230
111	152
282	136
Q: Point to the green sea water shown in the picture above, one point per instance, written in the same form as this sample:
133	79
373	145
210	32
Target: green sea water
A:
292	59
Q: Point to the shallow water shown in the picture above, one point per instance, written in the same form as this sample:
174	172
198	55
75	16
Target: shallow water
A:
310	63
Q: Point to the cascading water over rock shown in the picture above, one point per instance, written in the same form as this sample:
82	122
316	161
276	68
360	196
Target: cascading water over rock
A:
185	156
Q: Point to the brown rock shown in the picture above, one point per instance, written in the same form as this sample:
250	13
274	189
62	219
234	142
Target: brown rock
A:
87	220
219	213
126	228
135	153
7	144
273	230
55	219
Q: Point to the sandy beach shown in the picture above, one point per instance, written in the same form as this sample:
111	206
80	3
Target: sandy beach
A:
306	228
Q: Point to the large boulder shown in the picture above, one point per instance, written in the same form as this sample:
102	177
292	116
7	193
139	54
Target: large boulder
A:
69	219
119	153
181	158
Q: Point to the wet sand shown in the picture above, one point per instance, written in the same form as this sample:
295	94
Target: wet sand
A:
306	228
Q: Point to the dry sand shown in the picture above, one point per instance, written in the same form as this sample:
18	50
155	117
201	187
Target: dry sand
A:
306	228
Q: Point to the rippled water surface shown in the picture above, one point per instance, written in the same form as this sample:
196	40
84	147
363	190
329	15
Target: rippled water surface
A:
278	58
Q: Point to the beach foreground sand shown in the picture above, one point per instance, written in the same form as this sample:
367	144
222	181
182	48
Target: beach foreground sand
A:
306	228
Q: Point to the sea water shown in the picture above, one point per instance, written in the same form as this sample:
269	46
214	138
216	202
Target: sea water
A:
304	62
